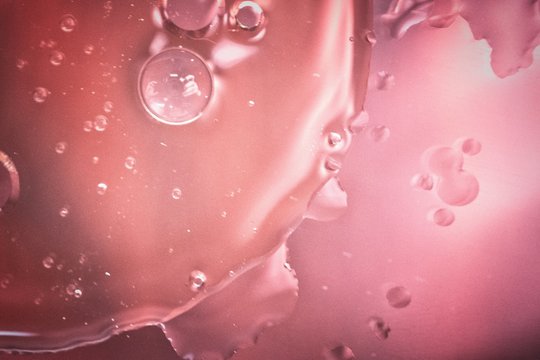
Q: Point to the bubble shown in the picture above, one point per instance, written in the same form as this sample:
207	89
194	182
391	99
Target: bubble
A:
251	103
9	181
176	193
379	327
88	126
68	23
398	297
74	290
385	80
64	212
40	94
197	280
102	188
249	15
191	15
370	37
443	160
60	147
334	139
469	146
422	181
340	352
100	123
21	64
88	49
48	262
379	133
47	44
56	58
175	86
442	217
130	162
458	189
108	106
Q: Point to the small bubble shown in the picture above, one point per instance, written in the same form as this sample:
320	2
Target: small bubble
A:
100	123
5	281
385	80
422	181
442	217
40	94
88	126
379	133
108	6
88	49
197	280
469	146
102	188
380	329
334	139
68	23
57	57
60	147
48	262
398	297
176	193
21	64
64	212
224	214
108	106
130	162
370	37
249	15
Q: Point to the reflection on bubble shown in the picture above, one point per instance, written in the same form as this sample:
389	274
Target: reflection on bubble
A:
175	86
398	297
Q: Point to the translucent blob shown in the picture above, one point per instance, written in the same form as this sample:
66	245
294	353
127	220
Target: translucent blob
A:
176	193
422	181
379	327
56	58
68	23
458	189
102	188
100	123
340	352
197	280
329	203
249	15
332	164
175	86
190	15
398	297
40	94
88	49
379	133
60	147
442	217
469	146
48	262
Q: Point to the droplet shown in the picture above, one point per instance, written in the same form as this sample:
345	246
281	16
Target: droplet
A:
100	123
249	15
469	146
398	297
197	280
108	106
340	352
102	188
130	162
175	86
385	80
370	37
40	94
334	139
379	328
21	64
60	147
379	133
191	15
422	181
48	262
68	23
88	49
176	193
442	217
64	212
56	58
88	126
